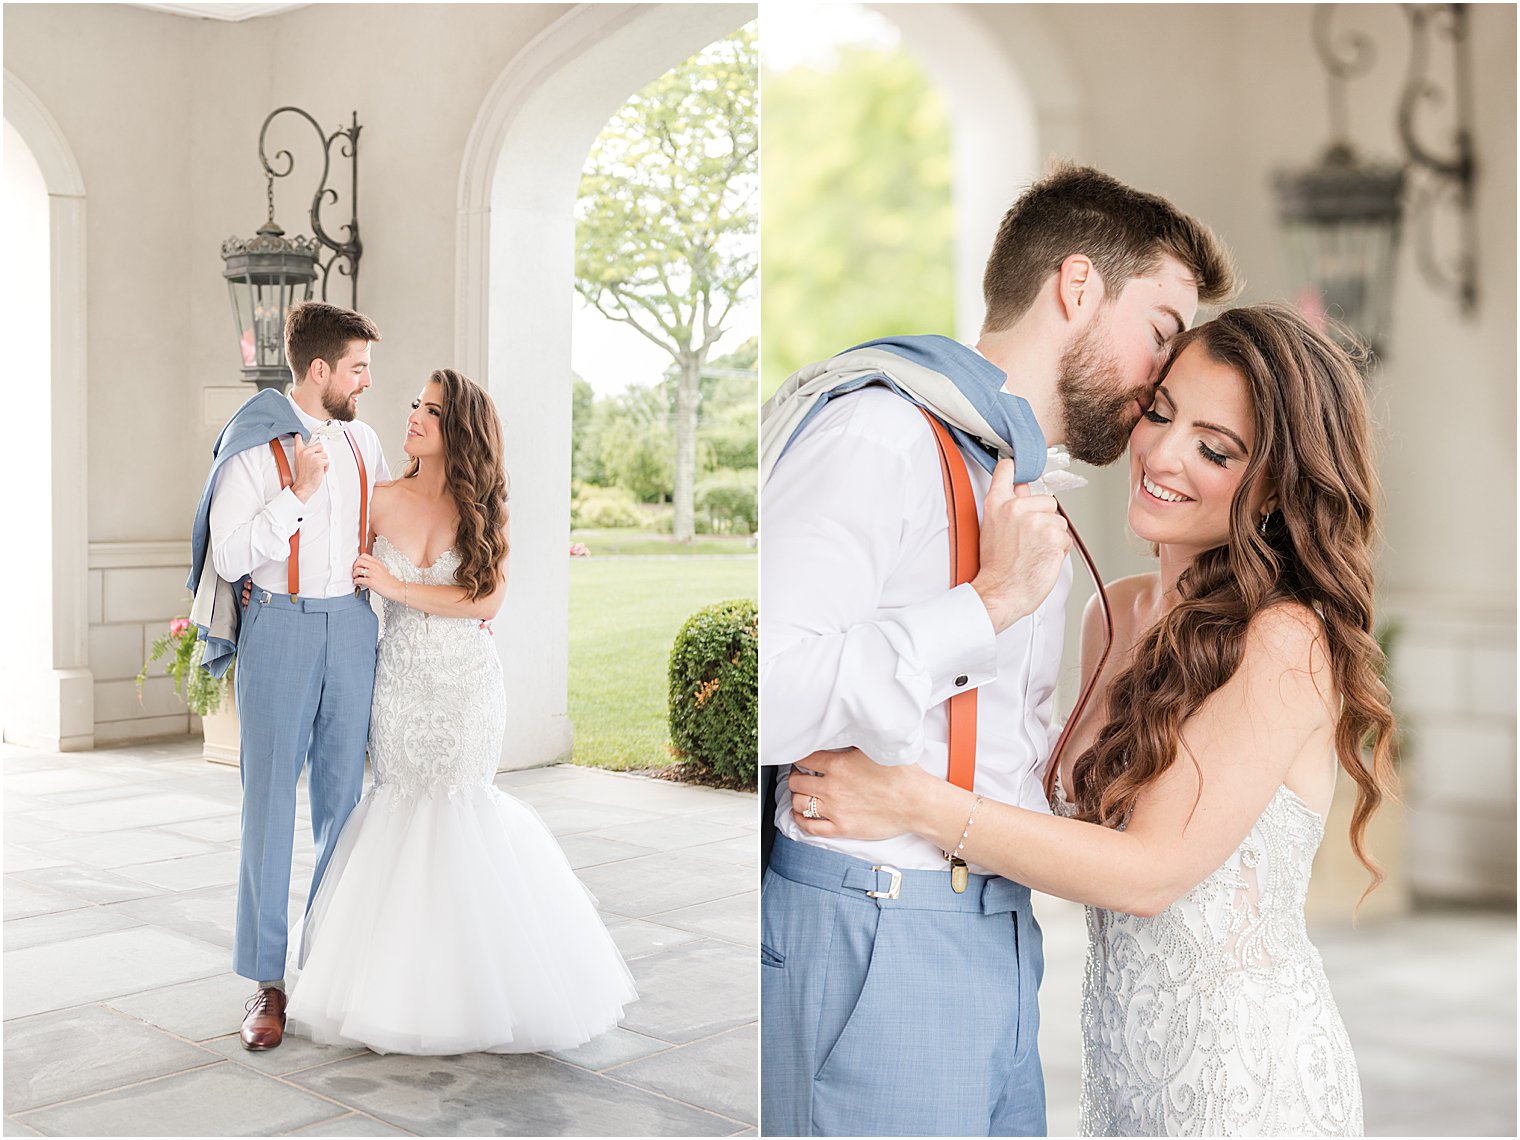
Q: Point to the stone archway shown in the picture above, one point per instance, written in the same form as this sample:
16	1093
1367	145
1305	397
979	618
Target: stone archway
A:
1013	103
514	304
55	706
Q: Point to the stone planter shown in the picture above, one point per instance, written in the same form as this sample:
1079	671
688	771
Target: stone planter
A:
220	730
1339	877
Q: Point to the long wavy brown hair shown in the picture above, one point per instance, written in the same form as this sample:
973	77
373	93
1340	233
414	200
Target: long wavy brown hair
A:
473	472
1313	442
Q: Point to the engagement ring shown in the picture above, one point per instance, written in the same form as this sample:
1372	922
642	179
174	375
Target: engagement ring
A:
811	811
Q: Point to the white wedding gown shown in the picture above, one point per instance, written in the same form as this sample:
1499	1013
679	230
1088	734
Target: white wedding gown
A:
1214	1017
448	920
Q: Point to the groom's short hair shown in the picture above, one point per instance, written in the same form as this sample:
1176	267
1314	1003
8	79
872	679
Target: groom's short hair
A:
1126	232
315	330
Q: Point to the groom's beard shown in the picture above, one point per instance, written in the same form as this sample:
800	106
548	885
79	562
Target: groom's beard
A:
1099	414
338	407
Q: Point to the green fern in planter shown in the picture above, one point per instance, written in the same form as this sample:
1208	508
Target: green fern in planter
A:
201	692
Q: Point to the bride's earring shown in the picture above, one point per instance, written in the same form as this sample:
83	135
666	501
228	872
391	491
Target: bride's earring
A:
1264	519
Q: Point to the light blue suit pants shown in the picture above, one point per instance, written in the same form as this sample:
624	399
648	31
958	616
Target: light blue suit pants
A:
913	1016
305	676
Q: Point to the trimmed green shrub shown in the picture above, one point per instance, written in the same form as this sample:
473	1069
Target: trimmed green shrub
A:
603	507
726	500
714	689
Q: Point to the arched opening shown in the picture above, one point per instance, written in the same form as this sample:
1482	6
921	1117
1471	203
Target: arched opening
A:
997	136
931	69
45	612
515	302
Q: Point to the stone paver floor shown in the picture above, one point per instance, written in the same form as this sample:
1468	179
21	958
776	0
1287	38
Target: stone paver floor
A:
121	1012
1428	999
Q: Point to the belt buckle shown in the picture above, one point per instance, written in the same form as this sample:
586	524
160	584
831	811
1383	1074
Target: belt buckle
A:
892	891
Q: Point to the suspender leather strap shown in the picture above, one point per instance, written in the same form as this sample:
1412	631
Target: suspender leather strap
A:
1054	764
363	494
293	563
965	560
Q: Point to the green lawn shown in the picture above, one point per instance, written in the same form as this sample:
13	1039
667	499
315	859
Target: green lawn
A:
624	615
639	542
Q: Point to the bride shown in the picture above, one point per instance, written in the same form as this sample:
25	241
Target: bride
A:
1242	675
449	921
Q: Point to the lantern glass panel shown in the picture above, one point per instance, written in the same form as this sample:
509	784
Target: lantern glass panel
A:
264	285
270	299
242	312
1347	266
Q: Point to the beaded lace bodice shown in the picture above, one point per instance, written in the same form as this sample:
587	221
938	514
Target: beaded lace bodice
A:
1215	1017
439	709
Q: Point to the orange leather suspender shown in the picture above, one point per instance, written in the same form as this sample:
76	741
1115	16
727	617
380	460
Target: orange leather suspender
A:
293	563
363	495
965	560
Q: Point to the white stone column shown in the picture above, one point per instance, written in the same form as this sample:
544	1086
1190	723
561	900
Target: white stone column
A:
50	698
517	200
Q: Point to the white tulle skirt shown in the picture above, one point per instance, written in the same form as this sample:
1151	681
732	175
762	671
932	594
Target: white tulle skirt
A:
451	922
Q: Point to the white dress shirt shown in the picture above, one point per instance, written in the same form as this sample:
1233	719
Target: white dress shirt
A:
863	640
252	517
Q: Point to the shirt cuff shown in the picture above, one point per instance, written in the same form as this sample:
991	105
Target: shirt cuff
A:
286	512
954	642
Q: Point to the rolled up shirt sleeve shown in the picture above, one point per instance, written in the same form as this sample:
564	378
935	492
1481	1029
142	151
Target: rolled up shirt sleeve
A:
249	526
843	665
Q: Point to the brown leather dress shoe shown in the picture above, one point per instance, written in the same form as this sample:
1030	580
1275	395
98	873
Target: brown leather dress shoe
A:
264	1027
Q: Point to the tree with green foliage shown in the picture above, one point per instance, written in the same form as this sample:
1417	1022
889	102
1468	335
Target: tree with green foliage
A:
859	227
634	444
730	425
666	220
585	449
730	421
727	501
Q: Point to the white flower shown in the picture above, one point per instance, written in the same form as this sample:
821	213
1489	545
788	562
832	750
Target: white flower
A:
324	432
1057	477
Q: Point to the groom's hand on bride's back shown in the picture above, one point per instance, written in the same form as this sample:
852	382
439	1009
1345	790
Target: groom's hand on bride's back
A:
1024	542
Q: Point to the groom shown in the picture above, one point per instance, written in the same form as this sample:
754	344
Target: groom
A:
893	1002
286	506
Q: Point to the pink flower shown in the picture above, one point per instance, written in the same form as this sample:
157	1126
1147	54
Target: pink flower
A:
1312	306
178	626
578	550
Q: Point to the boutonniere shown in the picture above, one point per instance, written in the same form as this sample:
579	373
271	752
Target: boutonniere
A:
1057	476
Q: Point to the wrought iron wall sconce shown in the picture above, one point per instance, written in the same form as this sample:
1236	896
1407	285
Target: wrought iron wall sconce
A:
269	274
1342	217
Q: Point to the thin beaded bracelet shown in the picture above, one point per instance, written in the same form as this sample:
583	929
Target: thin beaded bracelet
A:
950	856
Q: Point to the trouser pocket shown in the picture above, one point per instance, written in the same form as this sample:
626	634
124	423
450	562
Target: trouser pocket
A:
1029	957
927	1042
